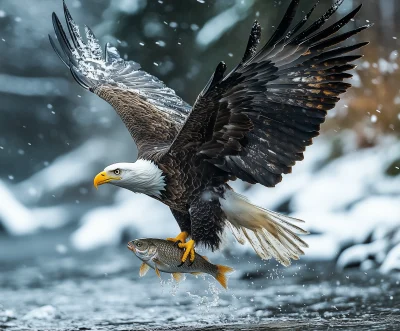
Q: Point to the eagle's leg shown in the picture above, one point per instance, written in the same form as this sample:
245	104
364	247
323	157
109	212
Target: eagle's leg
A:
180	237
183	220
207	221
189	250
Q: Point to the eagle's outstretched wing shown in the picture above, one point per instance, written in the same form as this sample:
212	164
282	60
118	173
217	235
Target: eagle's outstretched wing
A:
152	112
256	122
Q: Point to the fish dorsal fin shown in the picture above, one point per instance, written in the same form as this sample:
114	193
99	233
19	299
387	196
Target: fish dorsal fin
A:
177	276
196	273
143	269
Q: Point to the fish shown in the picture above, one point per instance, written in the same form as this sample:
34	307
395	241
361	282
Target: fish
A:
165	256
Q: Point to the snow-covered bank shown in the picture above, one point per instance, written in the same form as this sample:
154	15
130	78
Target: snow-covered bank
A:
351	204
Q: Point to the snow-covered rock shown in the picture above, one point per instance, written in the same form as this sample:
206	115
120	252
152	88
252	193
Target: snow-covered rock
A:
19	219
392	261
351	205
133	213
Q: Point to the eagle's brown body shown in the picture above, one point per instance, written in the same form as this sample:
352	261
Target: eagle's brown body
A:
187	176
253	123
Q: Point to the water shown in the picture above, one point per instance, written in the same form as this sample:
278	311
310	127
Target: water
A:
102	291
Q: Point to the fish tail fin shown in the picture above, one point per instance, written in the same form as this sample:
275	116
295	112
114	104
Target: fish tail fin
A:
221	275
271	234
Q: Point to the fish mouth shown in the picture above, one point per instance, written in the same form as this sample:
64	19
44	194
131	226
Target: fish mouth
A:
131	247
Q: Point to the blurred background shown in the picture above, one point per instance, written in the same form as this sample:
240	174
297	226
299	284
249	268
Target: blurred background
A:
55	136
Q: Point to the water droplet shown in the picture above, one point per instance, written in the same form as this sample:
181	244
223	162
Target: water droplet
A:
61	249
160	43
83	190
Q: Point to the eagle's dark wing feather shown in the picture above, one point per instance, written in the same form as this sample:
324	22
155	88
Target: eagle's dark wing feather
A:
152	112
256	122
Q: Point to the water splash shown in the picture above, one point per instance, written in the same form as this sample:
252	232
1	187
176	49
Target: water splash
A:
209	300
171	285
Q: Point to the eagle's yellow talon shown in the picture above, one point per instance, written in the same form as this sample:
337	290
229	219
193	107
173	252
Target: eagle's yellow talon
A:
180	237
189	250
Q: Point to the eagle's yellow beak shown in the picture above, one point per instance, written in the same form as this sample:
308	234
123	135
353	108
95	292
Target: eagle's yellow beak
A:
103	178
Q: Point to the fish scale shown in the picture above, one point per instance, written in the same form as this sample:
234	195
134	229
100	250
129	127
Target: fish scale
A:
171	254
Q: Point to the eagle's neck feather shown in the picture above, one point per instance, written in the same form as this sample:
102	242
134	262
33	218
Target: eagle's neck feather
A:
144	177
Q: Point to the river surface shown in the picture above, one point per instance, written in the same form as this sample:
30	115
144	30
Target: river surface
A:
102	291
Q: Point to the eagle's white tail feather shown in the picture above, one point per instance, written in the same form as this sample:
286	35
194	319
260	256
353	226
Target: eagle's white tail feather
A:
271	234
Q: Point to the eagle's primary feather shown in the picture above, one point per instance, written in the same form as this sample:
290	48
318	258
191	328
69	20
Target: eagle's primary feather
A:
253	123
152	112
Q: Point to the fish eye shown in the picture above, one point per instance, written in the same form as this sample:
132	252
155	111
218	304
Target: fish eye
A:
117	171
138	244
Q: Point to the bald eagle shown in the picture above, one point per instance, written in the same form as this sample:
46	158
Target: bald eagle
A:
251	124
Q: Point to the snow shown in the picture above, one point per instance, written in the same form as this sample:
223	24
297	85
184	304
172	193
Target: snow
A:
129	6
322	247
347	179
15	217
6	315
301	176
392	262
386	67
136	213
349	204
33	86
20	220
215	28
42	313
359	253
69	170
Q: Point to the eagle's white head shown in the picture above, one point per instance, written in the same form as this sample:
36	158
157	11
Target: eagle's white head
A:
143	176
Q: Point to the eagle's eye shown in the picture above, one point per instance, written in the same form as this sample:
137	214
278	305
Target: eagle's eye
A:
117	171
